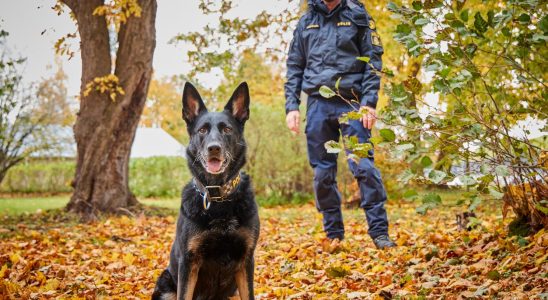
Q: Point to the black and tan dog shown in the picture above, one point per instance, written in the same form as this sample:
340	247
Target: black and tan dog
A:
218	225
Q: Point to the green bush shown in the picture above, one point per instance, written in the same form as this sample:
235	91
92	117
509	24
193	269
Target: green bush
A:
276	161
158	176
149	177
39	177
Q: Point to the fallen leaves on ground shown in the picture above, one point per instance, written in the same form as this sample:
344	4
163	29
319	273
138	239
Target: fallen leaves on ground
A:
49	255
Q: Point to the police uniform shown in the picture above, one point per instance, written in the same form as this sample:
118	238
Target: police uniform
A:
324	48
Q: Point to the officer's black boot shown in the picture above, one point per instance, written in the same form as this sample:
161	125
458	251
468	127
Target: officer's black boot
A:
383	241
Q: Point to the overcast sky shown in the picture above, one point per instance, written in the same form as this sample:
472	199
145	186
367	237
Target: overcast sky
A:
34	27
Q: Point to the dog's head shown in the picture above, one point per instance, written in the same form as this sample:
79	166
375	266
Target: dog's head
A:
216	150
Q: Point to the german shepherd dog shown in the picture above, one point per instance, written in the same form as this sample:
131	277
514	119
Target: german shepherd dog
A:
218	224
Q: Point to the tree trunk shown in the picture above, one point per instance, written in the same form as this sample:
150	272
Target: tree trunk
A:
105	129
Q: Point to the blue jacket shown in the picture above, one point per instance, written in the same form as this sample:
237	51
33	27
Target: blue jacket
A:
325	46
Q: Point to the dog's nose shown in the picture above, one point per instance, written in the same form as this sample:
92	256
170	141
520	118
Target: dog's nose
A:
214	149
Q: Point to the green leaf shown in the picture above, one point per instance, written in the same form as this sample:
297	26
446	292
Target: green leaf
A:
426	161
495	194
376	140
417	5
479	23
502	170
543	24
406	176
338	83
422	209
436	176
333	147
429	201
410	194
464	15
326	92
364	58
392	7
421	21
541	208
524	19
456	24
467	180
404	147
387	134
474	203
354	115
432	198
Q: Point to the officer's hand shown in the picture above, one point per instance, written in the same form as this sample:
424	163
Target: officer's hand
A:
293	119
369	118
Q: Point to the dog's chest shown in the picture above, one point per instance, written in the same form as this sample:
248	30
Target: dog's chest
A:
223	242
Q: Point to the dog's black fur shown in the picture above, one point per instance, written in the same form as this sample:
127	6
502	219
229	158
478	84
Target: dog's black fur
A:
220	240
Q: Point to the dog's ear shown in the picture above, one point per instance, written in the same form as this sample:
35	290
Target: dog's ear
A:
193	105
238	105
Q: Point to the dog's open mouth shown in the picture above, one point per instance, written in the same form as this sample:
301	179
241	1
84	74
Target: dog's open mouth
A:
215	165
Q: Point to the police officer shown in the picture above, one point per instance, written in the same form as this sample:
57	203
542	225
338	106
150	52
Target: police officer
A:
326	43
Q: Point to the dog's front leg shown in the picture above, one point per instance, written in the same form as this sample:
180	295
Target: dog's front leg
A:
188	276
244	280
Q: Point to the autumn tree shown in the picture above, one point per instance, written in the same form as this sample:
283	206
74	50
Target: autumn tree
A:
53	98
163	107
117	41
21	125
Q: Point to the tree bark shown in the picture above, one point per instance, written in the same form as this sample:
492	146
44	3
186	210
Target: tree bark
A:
105	129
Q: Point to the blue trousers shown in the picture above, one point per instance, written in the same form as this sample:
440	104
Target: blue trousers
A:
322	125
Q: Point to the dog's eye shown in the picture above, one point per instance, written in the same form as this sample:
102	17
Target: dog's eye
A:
202	130
227	130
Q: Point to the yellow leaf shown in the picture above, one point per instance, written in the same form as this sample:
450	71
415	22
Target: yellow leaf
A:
377	268
541	260
129	258
3	271
15	258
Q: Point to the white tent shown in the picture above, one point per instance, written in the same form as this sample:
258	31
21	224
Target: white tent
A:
155	142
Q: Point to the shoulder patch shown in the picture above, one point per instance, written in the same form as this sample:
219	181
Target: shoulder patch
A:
376	39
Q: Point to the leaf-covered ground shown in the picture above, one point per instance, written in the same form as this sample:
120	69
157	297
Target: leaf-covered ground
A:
48	255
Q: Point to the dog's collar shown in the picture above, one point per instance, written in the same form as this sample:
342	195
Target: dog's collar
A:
216	193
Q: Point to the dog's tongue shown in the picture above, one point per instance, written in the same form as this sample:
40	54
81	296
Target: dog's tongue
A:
214	165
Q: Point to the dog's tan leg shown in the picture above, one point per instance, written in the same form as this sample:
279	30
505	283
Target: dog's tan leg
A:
190	283
192	279
241	282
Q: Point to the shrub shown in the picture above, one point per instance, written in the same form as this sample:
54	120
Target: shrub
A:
149	177
158	176
34	176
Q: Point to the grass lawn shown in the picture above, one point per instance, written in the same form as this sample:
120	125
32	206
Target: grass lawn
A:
14	206
19	205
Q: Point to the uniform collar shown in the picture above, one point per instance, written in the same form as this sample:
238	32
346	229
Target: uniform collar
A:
320	7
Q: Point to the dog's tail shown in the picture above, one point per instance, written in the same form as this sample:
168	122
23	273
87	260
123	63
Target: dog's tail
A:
165	287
